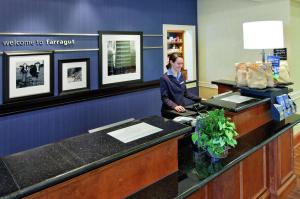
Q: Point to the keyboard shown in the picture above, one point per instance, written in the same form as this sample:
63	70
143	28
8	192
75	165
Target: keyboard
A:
196	107
185	114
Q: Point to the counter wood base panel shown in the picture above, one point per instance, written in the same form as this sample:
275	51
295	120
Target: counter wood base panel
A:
225	88
267	173
250	119
121	178
281	165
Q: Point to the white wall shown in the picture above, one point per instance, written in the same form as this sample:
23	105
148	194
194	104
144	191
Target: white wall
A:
220	33
293	32
221	36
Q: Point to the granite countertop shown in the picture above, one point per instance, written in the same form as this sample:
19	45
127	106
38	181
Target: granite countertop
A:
233	84
224	82
27	172
196	169
231	106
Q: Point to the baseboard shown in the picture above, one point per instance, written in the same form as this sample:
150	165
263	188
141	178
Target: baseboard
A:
265	195
286	189
296	139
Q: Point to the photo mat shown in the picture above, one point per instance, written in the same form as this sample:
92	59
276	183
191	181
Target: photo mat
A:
74	75
27	75
121	58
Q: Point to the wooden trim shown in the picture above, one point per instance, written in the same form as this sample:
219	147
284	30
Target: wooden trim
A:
287	134
286	178
265	166
261	193
241	179
264	191
273	166
279	152
287	187
296	139
265	195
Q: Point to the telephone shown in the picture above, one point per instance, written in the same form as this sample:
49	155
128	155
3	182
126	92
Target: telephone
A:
196	107
185	120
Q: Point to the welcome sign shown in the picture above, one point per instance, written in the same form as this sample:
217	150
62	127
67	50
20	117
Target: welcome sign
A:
48	42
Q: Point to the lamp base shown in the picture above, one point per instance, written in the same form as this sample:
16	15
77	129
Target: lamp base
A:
263	54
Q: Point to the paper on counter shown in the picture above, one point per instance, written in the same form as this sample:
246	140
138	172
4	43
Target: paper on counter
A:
134	132
237	99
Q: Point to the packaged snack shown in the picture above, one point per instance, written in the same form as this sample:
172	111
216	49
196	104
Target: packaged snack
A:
241	74
256	76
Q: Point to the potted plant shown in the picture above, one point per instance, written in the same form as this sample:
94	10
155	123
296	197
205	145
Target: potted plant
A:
215	133
205	168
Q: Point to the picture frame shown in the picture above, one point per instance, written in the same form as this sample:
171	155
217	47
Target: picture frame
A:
120	58
27	75
74	75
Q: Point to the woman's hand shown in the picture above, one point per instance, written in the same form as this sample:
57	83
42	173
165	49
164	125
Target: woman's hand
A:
179	109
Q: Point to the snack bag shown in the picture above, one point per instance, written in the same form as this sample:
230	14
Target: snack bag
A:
256	76
269	74
241	70
284	73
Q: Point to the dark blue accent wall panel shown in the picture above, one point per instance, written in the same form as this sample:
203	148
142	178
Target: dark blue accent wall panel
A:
88	16
153	64
27	130
1	82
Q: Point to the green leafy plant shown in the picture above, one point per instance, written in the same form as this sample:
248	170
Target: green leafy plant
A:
215	133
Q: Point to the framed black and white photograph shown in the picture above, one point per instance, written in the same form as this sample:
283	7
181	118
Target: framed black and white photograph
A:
27	75
120	55
74	75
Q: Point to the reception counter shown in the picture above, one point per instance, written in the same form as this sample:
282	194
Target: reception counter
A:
162	165
248	115
261	166
93	165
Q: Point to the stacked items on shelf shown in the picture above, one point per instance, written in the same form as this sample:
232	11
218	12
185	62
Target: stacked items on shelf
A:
175	45
175	42
283	108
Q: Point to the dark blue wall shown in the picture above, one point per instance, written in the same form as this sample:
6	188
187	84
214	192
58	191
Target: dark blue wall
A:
23	131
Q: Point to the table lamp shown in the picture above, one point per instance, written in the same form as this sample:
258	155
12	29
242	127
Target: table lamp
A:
263	35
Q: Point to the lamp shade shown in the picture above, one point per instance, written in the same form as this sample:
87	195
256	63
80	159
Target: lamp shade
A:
263	35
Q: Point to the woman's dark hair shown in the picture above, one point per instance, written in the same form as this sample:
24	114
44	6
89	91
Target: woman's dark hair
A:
172	57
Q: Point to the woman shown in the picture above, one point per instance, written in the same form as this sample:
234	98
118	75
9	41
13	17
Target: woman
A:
172	87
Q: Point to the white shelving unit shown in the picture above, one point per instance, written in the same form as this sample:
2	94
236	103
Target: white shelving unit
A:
185	44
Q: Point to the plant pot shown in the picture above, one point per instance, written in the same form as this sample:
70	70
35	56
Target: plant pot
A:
215	158
206	168
199	155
